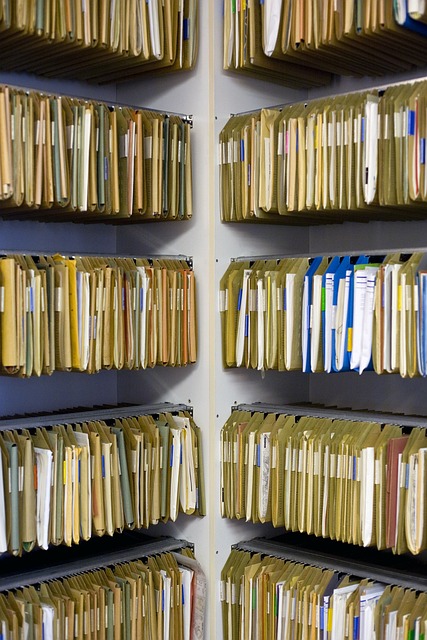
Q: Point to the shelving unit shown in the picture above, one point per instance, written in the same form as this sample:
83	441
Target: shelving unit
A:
210	95
240	387
113	171
103	413
330	412
189	385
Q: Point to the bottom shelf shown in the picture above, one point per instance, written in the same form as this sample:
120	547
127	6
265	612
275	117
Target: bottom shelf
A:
295	586
128	586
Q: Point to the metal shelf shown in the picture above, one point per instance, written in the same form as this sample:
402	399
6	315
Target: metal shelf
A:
341	414
36	566
188	118
369	252
49	420
404	570
94	254
39	565
380	88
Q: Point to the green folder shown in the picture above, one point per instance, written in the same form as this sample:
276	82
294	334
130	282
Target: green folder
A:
14	544
124	478
164	431
166	127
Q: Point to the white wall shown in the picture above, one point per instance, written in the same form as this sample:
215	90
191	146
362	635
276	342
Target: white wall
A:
384	393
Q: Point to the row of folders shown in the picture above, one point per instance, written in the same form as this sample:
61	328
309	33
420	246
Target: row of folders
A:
356	156
278	599
159	597
98	40
91	313
358	482
74	159
68	483
323	314
302	43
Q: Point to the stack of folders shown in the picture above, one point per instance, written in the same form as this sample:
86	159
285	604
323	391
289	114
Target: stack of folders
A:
91	313
243	52
357	156
68	158
268	597
279	39
357	482
327	314
160	597
67	483
99	40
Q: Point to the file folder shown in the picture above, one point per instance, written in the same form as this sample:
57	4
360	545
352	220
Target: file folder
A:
358	157
328	473
102	473
81	313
